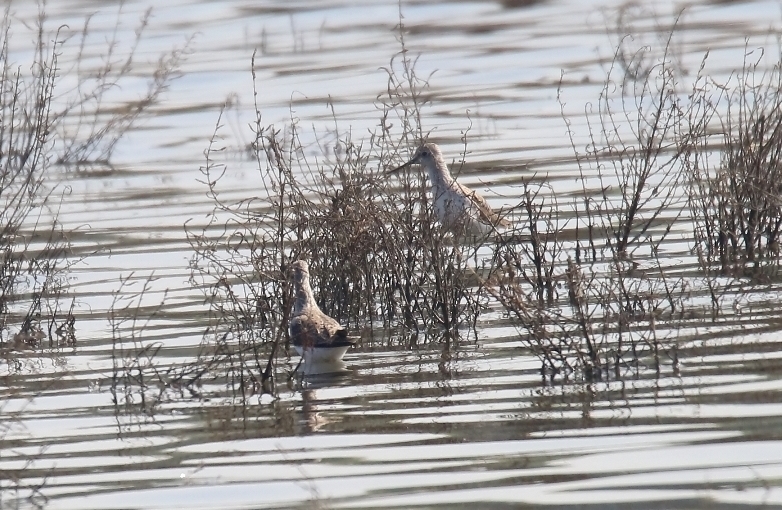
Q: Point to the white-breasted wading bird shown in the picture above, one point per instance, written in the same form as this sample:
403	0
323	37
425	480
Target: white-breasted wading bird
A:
459	209
316	337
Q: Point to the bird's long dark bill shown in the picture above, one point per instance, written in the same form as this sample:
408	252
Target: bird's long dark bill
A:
395	170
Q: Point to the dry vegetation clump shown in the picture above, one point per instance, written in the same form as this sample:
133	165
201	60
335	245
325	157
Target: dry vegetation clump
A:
737	204
95	113
32	250
591	294
39	128
137	383
587	282
650	161
61	108
591	306
375	252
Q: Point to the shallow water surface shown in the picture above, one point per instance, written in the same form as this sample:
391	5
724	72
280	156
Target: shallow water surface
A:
470	424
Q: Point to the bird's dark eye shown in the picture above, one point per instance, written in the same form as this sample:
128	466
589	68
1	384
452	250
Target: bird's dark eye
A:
424	153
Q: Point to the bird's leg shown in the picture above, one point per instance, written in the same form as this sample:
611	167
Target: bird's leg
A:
295	369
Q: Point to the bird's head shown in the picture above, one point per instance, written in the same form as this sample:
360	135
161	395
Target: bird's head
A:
428	155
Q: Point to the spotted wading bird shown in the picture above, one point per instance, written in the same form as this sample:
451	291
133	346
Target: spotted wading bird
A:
459	209
316	336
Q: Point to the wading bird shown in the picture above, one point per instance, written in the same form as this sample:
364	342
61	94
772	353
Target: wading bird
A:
316	337
459	209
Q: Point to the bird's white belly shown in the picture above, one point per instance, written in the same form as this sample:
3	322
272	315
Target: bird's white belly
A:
456	212
322	354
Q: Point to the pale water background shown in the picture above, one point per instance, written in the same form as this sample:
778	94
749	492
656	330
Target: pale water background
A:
472	427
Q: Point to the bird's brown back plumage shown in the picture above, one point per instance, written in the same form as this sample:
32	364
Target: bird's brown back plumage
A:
309	326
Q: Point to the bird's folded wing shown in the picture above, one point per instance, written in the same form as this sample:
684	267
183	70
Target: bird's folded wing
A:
337	335
318	330
485	210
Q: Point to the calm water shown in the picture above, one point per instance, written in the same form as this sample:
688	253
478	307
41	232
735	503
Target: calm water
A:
470	426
